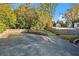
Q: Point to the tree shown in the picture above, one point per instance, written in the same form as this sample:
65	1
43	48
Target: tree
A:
40	20
7	15
72	14
23	16
2	27
63	24
48	8
33	18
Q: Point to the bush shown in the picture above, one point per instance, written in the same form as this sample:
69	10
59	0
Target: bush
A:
2	27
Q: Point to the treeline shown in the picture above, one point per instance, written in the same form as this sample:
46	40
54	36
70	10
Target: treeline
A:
26	17
70	17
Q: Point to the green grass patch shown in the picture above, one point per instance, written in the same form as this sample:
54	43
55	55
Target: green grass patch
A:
49	33
43	32
69	37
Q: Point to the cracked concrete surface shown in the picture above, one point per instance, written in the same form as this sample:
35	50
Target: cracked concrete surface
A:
36	45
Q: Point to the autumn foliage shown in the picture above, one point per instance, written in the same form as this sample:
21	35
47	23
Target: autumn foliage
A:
7	15
27	17
73	13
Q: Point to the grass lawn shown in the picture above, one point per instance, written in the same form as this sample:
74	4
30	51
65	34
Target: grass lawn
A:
69	37
50	33
43	32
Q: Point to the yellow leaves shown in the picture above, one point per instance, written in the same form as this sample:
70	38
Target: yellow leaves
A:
2	27
37	18
49	24
42	20
69	14
76	8
73	13
7	15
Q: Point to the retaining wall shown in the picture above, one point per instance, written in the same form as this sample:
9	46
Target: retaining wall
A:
67	31
9	32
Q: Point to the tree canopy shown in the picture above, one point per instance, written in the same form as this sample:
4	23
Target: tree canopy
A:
73	13
27	17
7	15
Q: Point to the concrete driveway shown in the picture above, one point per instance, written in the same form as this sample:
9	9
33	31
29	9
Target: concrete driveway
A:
36	45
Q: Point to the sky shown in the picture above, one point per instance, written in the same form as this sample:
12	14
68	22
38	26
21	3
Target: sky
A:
60	9
16	5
